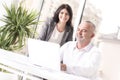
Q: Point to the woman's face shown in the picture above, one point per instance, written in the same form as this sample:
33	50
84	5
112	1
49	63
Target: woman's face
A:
63	16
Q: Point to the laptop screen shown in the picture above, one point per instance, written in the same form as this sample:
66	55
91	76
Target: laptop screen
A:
44	54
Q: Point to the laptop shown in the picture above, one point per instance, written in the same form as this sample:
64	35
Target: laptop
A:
44	54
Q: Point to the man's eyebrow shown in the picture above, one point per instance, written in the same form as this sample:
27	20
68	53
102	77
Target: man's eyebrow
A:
78	28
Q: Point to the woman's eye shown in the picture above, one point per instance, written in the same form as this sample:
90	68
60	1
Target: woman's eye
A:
61	12
66	14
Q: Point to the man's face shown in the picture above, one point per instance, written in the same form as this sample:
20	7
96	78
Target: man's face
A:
85	32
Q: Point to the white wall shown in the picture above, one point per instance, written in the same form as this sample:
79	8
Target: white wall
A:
110	59
2	10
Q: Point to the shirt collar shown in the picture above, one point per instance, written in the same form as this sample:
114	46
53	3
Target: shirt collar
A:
87	48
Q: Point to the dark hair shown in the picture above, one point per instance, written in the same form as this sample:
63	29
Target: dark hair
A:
68	8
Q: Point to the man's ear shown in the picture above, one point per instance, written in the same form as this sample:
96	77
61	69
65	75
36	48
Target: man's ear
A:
92	35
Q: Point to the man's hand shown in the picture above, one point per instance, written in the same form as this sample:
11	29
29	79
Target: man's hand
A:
63	67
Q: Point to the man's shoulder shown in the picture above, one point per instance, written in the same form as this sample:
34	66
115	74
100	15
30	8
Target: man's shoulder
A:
95	50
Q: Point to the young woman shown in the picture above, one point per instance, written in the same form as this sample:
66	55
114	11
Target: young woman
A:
58	29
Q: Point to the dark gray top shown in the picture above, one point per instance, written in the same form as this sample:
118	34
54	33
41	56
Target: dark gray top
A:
48	27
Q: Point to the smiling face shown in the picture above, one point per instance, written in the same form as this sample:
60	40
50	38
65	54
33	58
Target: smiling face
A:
85	32
64	16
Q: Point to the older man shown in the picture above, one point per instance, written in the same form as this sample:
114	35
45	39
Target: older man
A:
81	57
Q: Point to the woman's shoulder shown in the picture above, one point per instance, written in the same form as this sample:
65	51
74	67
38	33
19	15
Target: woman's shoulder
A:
49	19
69	28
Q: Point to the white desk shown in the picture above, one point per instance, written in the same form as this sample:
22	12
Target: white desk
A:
21	65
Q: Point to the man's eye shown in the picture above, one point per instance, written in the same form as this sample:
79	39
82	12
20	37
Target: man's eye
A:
78	29
84	30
